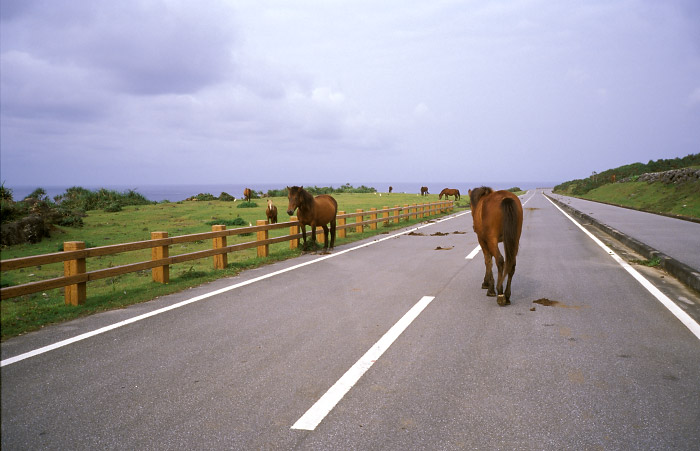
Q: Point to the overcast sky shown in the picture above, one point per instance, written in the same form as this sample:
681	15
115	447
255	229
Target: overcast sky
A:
105	92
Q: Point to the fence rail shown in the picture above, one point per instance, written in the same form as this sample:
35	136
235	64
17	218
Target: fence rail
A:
75	254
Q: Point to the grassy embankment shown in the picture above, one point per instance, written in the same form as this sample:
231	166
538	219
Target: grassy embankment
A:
682	199
135	223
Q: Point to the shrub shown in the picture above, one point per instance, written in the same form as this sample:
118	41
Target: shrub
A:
315	190
83	199
203	197
228	222
113	207
5	193
226	197
247	205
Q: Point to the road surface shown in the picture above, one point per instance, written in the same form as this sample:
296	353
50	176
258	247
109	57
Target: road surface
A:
398	331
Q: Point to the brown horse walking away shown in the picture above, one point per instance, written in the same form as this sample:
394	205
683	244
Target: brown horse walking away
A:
424	191
497	217
247	193
271	212
313	211
449	192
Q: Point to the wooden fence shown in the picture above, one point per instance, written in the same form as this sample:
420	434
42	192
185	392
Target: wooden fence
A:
75	254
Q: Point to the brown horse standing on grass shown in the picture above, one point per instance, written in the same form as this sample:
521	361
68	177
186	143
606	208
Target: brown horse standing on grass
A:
424	191
247	193
449	192
497	217
313	211
271	212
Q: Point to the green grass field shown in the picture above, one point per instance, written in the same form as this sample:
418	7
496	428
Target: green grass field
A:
26	313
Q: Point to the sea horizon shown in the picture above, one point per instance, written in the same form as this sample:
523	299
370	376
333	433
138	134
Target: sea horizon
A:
176	193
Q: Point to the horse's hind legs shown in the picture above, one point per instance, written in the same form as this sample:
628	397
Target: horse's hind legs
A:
325	236
488	283
332	234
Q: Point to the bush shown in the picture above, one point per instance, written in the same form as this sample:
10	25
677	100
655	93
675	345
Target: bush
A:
315	190
203	197
69	218
247	205
5	193
29	229
228	222
113	207
226	197
83	199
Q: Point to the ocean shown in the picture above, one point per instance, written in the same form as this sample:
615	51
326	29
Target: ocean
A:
175	193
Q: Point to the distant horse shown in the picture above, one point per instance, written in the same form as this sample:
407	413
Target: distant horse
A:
271	212
424	191
449	192
313	211
391	188
497	217
247	193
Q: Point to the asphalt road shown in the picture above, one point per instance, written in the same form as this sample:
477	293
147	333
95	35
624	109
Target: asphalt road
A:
676	238
607	367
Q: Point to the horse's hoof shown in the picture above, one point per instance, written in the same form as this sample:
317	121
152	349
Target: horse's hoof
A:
502	301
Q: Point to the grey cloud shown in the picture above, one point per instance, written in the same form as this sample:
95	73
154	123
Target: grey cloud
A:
143	48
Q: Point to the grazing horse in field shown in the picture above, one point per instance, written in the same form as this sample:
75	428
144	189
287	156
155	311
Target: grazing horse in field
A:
497	217
391	188
313	211
449	192
424	191
247	193
271	212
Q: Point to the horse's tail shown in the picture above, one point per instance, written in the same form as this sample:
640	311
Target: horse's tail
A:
510	228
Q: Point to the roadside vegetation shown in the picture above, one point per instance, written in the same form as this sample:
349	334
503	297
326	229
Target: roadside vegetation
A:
100	227
623	186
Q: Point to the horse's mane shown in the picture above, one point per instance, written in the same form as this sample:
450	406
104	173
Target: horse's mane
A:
477	193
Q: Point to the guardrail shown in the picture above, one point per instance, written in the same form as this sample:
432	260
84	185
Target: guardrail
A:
75	255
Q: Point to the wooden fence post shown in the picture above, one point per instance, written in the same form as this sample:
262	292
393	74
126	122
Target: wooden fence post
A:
385	215
396	214
221	260
358	219
341	222
263	250
160	274
293	230
77	293
415	211
373	216
319	235
407	211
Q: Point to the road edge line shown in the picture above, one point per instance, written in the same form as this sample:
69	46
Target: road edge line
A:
682	316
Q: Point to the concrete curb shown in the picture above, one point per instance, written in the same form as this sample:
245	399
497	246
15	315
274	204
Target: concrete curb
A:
680	271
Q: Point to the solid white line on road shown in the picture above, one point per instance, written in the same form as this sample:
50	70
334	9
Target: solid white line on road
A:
330	399
473	253
102	330
686	319
528	199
